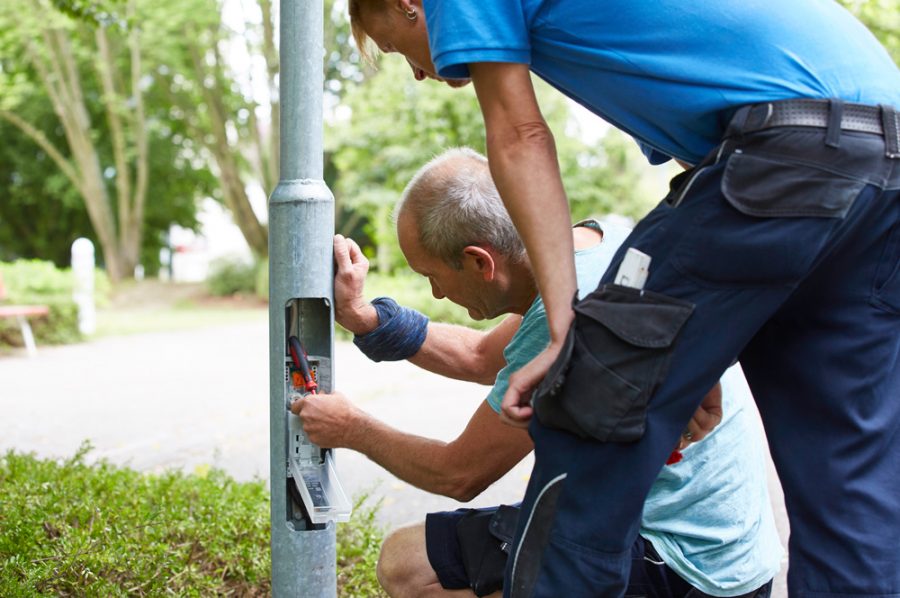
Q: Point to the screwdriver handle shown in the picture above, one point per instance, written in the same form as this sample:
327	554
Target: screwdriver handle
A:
301	362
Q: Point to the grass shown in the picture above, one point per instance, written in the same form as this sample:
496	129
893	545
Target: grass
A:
76	529
178	317
70	528
153	306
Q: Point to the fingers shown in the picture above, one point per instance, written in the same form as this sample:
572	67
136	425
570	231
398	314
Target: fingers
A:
520	418
297	406
349	258
305	402
356	254
516	407
347	252
329	419
705	419
708	415
342	250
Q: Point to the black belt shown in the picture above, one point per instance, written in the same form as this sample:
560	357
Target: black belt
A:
828	114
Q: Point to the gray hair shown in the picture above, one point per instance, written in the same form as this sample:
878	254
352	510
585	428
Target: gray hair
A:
454	203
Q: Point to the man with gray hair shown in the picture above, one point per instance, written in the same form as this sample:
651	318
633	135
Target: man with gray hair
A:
453	200
707	524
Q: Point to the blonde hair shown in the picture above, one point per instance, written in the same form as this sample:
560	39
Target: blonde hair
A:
363	42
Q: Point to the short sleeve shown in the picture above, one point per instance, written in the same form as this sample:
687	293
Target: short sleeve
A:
461	32
531	338
653	155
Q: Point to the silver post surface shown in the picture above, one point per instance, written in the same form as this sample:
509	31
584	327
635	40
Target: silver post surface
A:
301	226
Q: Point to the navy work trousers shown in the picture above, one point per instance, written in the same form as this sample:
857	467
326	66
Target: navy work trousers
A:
789	250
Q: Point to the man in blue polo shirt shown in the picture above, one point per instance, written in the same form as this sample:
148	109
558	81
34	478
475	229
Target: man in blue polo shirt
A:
779	247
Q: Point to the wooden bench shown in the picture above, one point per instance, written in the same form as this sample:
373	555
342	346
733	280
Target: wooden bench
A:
22	313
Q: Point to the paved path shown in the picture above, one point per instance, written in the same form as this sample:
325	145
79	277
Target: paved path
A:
200	398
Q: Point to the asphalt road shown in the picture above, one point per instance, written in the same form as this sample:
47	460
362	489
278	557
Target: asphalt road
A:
199	398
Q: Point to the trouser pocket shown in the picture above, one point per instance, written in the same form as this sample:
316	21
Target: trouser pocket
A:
767	220
615	356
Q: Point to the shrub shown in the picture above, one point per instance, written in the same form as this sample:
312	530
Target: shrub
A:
72	529
358	547
231	277
36	282
262	279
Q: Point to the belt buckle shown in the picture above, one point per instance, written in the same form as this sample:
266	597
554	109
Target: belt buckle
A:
757	120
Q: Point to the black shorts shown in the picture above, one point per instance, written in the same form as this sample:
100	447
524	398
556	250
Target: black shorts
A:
468	548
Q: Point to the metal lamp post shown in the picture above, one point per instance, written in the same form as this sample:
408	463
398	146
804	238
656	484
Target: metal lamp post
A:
301	226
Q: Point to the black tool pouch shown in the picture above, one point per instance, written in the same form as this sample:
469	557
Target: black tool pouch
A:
616	354
485	551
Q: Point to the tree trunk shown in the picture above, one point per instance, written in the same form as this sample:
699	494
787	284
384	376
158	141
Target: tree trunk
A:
270	53
61	79
118	230
233	187
134	226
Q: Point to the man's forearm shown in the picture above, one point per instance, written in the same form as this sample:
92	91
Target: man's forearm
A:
460	469
457	351
422	462
523	162
414	459
545	225
463	353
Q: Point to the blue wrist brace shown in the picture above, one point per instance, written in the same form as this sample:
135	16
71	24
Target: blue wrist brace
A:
399	335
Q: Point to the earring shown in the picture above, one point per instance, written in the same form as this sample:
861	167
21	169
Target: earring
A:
411	14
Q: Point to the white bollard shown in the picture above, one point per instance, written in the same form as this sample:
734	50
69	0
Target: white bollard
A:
165	264
83	295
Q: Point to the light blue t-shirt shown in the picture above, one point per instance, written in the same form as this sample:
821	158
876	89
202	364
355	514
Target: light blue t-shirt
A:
669	72
709	515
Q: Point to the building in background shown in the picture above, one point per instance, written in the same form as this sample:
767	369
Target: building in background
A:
191	253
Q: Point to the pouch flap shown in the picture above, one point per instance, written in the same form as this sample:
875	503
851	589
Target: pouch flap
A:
503	523
641	318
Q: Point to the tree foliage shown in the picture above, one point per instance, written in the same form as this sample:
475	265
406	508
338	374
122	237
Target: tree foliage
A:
96	12
42	212
396	124
217	101
882	17
117	114
77	89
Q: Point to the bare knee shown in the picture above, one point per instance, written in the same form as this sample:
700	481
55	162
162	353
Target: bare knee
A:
403	568
390	568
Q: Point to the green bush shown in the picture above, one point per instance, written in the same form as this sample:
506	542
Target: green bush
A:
73	529
358	547
231	277
36	282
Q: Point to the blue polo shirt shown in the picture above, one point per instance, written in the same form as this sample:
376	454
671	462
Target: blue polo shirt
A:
670	72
